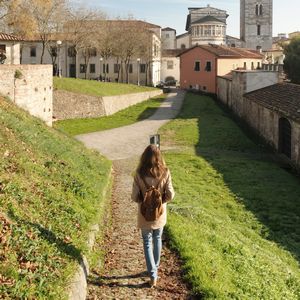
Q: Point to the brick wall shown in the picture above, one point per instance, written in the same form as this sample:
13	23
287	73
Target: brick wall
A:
30	87
67	105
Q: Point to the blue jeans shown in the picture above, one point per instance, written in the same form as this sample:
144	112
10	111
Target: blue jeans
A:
152	249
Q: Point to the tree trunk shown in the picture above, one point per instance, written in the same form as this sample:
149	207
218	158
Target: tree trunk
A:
43	51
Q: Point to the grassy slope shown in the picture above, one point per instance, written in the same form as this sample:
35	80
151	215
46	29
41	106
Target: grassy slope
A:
124	117
235	219
96	88
51	190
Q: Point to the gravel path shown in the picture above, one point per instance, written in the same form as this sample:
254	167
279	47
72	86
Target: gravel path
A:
124	275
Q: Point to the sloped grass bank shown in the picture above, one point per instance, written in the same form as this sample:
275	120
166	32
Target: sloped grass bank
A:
130	115
51	192
97	88
235	218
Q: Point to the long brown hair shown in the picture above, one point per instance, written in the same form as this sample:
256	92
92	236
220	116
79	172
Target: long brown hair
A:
152	163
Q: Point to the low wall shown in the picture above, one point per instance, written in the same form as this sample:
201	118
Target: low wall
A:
67	105
30	87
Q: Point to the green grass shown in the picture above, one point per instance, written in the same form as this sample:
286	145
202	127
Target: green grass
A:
235	218
124	117
97	88
51	192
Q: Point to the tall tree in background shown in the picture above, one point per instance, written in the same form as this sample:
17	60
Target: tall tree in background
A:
292	60
81	29
20	21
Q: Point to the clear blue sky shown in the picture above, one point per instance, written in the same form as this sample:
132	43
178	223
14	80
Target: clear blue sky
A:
172	13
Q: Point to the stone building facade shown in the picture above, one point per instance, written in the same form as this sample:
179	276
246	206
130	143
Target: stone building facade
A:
272	109
30	87
256	24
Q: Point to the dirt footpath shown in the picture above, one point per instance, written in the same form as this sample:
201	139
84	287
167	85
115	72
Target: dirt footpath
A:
124	275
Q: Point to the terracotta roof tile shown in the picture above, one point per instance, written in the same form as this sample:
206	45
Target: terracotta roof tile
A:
281	97
227	52
171	52
8	37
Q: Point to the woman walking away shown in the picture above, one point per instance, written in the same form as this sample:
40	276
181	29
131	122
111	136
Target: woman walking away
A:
152	189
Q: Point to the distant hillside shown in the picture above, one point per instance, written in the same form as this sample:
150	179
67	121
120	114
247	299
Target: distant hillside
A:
51	191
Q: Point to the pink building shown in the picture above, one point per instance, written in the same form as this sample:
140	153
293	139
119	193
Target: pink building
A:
200	65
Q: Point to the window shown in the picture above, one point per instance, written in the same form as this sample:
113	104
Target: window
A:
92	68
142	68
82	68
252	65
182	46
130	69
208	66
258	48
116	68
256	9
53	51
71	51
258	65
105	68
197	66
232	45
170	64
167	35
2	48
258	29
33	51
260	10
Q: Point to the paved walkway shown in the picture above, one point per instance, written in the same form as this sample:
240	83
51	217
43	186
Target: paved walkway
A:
124	274
131	140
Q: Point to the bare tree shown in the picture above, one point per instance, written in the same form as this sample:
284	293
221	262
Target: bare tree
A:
81	31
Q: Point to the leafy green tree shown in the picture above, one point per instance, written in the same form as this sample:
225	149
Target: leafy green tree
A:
292	60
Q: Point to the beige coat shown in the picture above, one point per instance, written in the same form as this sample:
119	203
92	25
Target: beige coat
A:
165	184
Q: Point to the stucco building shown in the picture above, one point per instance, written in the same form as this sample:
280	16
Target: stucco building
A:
9	49
68	63
200	65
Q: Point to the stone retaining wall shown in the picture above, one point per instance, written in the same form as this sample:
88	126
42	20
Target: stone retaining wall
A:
30	87
67	105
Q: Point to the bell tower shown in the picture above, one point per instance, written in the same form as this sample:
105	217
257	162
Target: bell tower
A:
256	23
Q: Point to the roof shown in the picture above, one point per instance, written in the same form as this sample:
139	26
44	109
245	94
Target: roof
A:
171	52
226	52
182	35
207	19
281	97
168	29
233	38
8	37
227	76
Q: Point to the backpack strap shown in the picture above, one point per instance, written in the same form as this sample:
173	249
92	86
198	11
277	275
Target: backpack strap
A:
147	185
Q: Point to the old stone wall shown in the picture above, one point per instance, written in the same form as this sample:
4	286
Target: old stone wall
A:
263	120
67	105
30	87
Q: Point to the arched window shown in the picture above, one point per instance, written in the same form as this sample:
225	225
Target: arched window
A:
285	137
182	46
260	10
258	29
257	9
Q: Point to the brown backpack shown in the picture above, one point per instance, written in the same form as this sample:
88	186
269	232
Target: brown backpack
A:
151	206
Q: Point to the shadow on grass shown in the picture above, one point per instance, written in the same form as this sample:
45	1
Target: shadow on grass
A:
249	171
63	247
